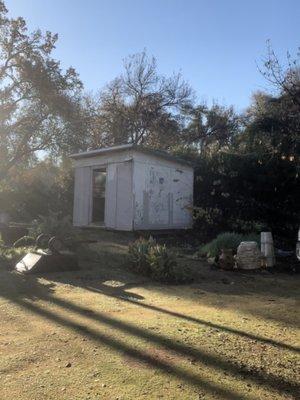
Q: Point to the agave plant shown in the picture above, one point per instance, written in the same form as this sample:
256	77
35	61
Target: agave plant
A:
138	252
162	263
150	258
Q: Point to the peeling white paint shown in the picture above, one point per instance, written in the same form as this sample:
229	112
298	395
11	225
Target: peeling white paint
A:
143	191
163	193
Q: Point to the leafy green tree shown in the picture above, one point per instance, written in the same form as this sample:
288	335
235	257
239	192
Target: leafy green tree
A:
272	122
210	128
45	187
273	127
252	181
38	101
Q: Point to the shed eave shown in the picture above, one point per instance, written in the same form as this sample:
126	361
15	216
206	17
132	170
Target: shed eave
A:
145	150
97	152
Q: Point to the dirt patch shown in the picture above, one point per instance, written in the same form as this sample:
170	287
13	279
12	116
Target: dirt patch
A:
129	338
156	355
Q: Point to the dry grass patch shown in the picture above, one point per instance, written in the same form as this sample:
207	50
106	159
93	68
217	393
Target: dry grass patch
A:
105	333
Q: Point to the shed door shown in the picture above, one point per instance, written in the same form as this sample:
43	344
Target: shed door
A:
124	206
82	195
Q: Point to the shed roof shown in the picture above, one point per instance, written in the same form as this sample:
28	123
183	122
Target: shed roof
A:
115	149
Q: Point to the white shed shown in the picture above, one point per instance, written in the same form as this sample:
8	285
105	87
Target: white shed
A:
129	188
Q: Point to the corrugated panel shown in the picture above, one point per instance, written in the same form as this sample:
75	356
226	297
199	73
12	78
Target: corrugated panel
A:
82	196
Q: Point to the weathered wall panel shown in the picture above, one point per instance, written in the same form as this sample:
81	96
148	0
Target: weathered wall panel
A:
163	193
158	189
111	196
143	191
182	190
124	201
82	196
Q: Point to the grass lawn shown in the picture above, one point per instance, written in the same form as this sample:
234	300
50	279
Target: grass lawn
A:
105	333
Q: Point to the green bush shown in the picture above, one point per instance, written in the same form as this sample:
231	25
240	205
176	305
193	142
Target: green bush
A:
161	263
155	260
53	224
138	253
31	191
24	241
238	194
227	240
9	256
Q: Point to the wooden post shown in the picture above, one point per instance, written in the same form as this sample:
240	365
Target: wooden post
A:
267	248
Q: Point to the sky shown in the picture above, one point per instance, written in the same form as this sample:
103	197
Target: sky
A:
217	45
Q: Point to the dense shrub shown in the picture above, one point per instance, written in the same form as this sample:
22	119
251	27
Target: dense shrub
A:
227	240
232	192
57	225
138	253
10	234
245	193
155	260
24	241
161	263
9	256
39	190
53	224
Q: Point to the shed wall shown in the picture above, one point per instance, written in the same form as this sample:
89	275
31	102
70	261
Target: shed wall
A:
118	192
163	193
118	197
82	196
142	191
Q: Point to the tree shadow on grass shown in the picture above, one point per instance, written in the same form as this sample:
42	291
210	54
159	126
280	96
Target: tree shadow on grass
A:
96	282
14	285
122	348
269	381
37	292
129	297
107	259
223	285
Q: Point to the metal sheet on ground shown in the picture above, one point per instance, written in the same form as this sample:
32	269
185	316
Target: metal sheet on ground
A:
40	262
